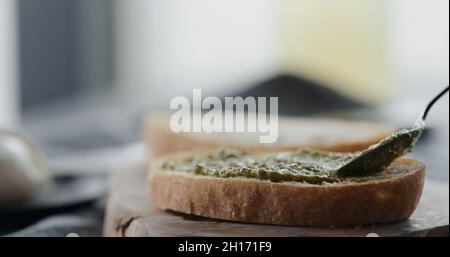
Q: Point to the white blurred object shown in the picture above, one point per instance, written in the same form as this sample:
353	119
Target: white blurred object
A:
419	35
166	48
22	167
8	64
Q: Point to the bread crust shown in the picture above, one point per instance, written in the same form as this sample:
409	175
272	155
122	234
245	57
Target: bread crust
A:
297	204
161	140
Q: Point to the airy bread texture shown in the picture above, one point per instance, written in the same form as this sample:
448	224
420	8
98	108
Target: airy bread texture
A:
391	197
293	133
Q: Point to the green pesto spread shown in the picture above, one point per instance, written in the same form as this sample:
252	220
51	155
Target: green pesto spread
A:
311	166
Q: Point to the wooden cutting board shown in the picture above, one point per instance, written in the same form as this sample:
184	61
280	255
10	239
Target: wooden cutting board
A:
129	213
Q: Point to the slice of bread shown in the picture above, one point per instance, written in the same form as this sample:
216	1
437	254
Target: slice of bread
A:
391	196
293	133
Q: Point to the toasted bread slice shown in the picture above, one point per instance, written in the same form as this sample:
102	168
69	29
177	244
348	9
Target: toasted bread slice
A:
390	196
293	133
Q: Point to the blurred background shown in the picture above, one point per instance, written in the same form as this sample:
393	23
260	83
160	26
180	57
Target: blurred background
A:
78	76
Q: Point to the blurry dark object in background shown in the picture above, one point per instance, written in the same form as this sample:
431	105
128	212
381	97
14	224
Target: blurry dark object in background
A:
299	96
65	48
